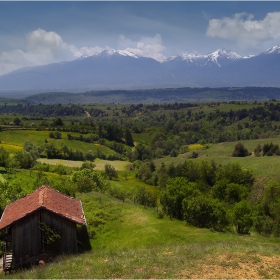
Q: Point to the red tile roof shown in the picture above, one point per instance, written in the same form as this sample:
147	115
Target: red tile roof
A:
45	198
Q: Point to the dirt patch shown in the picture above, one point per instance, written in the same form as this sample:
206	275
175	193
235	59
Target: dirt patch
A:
128	167
1	265
236	267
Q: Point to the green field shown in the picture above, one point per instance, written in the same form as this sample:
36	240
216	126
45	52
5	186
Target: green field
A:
128	215
133	243
99	163
11	148
14	139
221	153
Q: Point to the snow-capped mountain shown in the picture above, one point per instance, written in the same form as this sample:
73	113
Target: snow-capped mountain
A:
222	57
275	49
109	53
116	69
218	58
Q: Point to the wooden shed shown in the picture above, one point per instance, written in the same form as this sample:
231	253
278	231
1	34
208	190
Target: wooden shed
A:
41	223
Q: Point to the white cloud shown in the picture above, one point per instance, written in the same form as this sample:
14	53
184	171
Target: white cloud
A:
88	51
146	46
44	47
124	42
245	30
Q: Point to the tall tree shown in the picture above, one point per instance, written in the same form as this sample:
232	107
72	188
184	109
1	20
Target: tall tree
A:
111	171
128	138
240	150
4	158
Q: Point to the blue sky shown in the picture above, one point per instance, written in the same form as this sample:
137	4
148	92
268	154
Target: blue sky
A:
36	33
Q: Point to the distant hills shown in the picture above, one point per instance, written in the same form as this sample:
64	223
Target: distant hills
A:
166	95
111	70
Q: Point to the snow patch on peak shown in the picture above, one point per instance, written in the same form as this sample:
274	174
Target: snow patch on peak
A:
127	53
187	57
82	57
275	49
248	56
111	52
219	57
224	54
192	56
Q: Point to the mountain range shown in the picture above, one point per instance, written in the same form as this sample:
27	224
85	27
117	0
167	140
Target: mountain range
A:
125	70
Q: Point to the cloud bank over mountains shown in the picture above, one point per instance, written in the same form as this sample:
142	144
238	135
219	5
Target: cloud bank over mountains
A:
116	69
45	47
42	47
246	31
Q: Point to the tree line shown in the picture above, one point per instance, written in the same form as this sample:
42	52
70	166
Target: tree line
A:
209	195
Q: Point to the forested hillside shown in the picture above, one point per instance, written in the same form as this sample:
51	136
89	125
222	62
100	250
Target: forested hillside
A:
211	165
156	95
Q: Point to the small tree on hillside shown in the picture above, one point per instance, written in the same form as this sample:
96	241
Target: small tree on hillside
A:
242	217
128	138
4	158
258	150
17	121
58	122
240	151
110	171
87	180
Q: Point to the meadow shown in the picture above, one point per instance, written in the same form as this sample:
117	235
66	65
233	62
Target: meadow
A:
134	243
130	240
14	139
261	167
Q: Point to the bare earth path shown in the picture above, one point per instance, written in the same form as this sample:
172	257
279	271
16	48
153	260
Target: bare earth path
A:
237	267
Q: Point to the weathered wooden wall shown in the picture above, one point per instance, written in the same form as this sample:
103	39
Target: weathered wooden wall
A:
26	237
67	230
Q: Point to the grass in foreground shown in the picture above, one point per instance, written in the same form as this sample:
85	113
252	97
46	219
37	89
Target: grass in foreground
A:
219	260
131	242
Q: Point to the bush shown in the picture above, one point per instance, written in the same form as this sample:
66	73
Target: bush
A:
42	167
173	153
145	197
90	156
270	149
194	155
242	217
60	169
87	165
205	213
87	180
117	193
263	225
240	151
110	171
55	135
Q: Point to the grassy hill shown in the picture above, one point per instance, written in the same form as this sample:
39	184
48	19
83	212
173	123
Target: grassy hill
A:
133	241
130	241
13	140
262	167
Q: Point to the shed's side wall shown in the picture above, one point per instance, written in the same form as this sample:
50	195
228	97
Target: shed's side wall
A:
67	230
26	236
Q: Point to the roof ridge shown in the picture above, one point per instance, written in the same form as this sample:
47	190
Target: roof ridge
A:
51	189
47	198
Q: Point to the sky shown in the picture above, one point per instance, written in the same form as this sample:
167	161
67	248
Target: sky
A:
43	32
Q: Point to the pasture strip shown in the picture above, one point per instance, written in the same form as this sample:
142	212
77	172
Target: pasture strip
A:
100	164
